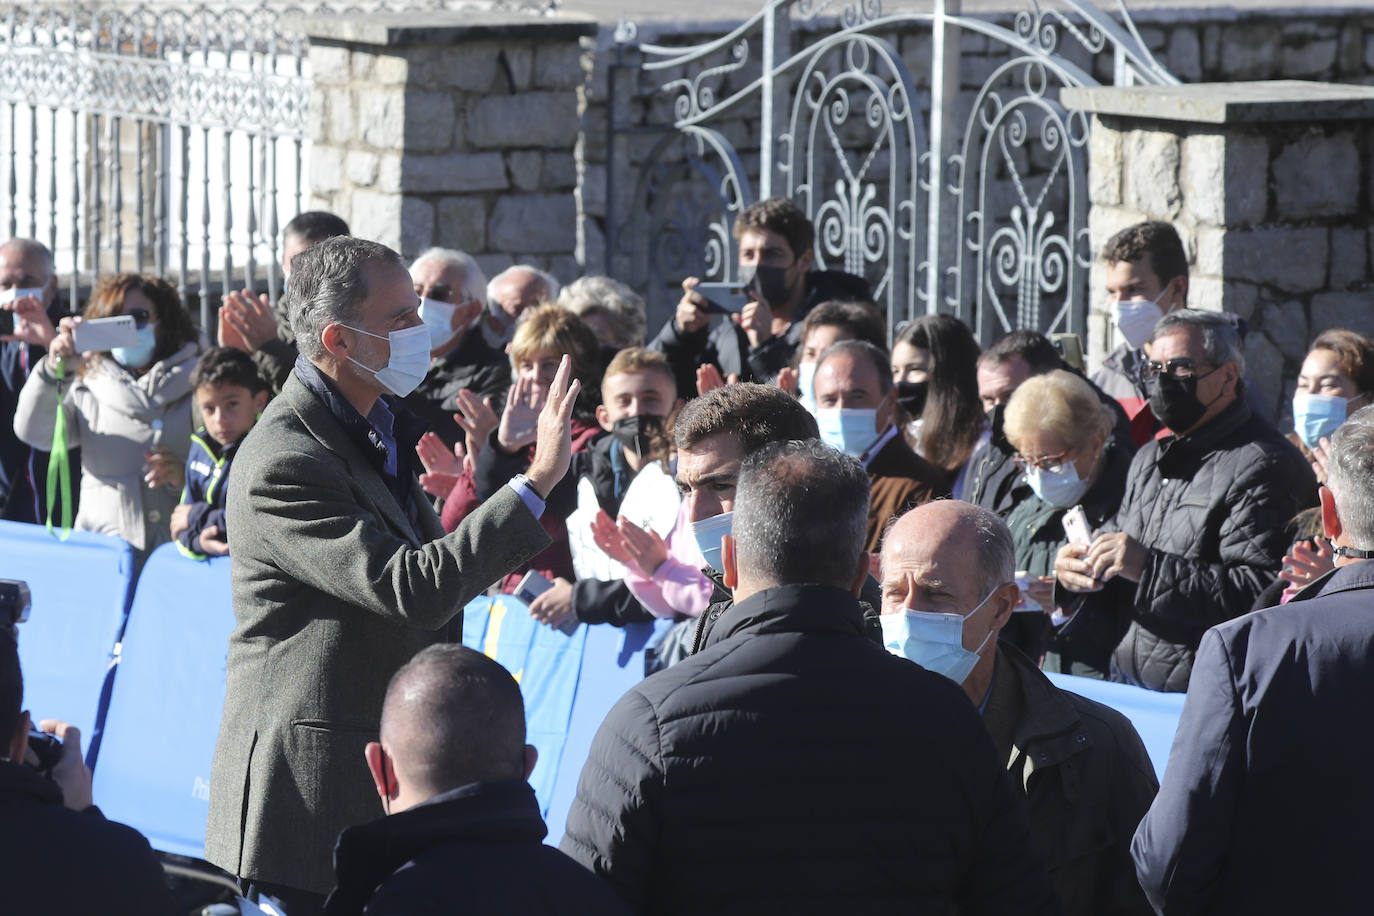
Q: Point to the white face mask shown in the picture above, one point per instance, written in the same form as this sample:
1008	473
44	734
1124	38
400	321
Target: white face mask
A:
1136	318
933	640
806	378
1059	487
438	317
409	361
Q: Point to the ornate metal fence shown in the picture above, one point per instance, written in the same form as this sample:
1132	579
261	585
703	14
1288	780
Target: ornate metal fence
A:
953	181
162	137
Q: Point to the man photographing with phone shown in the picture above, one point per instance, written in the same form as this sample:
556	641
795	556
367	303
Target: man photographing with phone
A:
341	569
776	243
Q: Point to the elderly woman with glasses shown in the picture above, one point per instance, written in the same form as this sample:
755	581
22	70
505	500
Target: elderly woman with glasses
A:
1062	435
128	409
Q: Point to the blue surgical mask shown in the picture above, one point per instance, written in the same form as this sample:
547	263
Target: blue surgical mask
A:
438	317
806	379
848	429
933	640
1316	416
1060	487
141	353
708	533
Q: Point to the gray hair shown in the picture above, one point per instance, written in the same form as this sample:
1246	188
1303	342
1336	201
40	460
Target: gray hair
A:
327	286
551	287
996	550
801	513
29	248
859	350
1350	476
622	307
474	286
1221	342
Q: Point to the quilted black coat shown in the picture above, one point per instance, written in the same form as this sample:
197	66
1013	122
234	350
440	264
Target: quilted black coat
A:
793	766
1211	509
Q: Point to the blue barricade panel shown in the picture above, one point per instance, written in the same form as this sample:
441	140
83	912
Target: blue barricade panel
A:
1154	715
80	603
164	714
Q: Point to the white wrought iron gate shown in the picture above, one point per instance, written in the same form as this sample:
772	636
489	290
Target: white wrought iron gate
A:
930	150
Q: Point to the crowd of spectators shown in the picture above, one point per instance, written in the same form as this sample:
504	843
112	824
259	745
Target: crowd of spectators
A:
867	551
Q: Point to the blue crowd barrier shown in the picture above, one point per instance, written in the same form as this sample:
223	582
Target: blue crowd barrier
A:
80	593
165	707
1154	715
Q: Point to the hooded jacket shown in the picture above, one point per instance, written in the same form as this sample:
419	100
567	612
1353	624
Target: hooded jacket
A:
116	417
788	767
206	491
477	849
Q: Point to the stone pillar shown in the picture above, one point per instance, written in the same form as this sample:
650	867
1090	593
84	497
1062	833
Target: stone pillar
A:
1270	187
452	128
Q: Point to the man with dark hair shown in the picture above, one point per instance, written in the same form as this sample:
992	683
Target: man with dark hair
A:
61	855
1081	767
1273	742
776	254
826	324
994	481
1202	529
341	569
740	778
1147	278
247	321
463	830
856	406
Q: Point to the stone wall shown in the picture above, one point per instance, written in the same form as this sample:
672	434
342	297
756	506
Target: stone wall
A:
459	133
1269	187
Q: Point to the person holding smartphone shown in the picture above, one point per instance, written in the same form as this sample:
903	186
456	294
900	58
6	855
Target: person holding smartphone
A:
128	408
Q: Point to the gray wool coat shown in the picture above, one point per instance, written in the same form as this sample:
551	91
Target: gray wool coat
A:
334	590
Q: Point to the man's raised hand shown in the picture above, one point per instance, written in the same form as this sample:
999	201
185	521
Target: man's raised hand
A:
553	446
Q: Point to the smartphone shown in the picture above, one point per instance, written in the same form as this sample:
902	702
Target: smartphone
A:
1070	348
104	334
6	321
532	586
723	298
1076	526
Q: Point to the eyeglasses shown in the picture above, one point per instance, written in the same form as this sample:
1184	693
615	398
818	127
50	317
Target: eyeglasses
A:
1043	463
1180	368
140	317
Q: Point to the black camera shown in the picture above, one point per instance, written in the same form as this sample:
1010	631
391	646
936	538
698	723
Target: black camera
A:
45	751
15	601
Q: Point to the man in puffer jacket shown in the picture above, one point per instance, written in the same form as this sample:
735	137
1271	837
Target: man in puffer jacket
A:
793	766
1200	532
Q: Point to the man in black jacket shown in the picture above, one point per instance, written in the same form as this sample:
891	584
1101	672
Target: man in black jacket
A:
1265	805
60	854
463	831
775	258
792	765
1200	532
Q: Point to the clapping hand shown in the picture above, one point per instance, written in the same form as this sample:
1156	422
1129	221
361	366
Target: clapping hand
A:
246	321
646	549
442	467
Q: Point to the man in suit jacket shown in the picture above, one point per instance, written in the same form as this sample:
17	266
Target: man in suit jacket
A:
341	570
1266	803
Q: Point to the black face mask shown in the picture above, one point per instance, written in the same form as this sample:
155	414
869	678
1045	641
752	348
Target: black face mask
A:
1174	401
996	417
766	283
912	397
638	434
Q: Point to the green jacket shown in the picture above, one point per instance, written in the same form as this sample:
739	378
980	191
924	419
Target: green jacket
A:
1087	782
334	589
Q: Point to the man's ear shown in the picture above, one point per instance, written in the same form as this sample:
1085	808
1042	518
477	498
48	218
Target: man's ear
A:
861	568
332	337
727	560
19	741
1005	601
603	417
260	401
383	771
531	758
885	409
807	258
1176	293
1331	522
464	314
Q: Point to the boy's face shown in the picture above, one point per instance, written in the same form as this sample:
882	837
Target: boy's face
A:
229	410
644	392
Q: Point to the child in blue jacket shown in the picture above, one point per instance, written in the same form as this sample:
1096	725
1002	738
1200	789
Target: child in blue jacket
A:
231	395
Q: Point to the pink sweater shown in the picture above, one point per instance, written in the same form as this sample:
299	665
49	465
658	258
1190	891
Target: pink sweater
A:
677	586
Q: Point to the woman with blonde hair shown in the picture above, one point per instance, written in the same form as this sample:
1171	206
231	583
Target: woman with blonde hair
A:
1062	435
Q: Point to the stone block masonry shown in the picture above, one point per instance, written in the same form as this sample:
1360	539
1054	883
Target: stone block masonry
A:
450	128
1269	186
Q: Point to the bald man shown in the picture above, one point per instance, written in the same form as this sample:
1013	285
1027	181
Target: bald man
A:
1081	766
463	830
